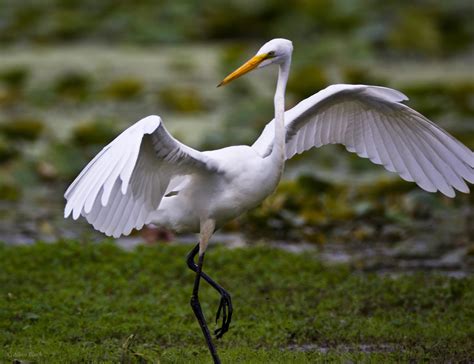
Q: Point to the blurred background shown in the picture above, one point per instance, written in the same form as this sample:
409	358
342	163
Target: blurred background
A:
73	74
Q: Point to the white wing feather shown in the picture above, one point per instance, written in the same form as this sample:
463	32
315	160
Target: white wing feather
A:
372	122
126	181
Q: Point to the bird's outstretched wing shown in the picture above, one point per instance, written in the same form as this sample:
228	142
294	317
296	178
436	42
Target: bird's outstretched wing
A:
118	189
372	122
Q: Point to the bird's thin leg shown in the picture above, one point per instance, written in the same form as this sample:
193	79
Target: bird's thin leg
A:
225	305
196	306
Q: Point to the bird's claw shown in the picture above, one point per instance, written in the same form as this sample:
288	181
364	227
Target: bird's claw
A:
225	307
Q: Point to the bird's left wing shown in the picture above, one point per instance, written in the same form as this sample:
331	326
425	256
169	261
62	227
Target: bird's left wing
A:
126	181
372	122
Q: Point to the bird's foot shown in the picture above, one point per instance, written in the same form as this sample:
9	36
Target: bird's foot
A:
225	307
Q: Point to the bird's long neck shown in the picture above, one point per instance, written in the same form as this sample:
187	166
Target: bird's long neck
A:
278	151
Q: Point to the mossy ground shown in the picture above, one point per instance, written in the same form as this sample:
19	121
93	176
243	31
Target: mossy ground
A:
71	302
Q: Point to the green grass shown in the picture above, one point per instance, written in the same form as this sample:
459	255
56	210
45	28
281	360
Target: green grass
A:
70	303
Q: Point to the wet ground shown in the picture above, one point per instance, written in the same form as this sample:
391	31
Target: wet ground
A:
448	255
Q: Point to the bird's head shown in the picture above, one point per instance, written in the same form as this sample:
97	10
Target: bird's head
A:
276	51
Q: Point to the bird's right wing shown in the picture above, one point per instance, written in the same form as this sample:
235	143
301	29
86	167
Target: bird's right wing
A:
373	122
126	181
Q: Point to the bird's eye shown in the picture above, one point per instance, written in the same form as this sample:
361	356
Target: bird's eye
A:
271	54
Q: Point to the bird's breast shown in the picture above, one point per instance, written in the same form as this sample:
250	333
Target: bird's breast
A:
246	181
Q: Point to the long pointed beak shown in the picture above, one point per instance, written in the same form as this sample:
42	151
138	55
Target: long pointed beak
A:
248	66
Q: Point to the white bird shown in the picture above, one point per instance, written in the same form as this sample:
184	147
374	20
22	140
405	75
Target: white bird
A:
145	175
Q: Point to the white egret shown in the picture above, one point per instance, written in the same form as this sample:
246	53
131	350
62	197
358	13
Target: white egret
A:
145	175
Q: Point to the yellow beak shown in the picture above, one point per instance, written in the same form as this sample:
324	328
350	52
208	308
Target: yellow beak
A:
251	64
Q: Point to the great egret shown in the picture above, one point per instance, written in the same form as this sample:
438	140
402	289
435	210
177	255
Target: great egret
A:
145	175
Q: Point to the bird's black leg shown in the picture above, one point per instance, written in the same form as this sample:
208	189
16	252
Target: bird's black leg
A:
225	305
196	306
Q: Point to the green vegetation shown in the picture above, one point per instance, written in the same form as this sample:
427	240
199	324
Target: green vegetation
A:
365	26
124	89
72	302
14	77
22	129
94	132
7	150
185	100
382	210
73	85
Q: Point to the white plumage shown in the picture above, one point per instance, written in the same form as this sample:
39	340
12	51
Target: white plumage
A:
126	181
372	122
145	175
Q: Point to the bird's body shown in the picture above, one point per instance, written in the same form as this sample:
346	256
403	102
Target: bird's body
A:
145	175
243	180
